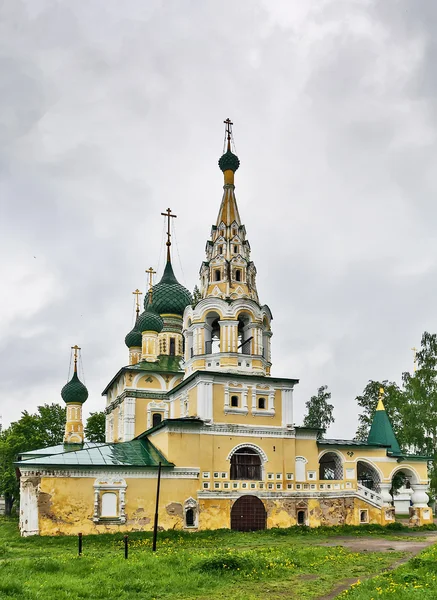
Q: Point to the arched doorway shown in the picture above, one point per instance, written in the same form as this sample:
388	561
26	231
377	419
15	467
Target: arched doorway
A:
368	476
330	467
248	514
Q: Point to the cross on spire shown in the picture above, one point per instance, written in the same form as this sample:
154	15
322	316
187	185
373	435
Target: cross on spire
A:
75	349
137	294
151	273
414	349
168	214
228	132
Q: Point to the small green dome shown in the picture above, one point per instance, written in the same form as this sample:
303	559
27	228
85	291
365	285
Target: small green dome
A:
134	337
169	297
149	320
229	162
74	391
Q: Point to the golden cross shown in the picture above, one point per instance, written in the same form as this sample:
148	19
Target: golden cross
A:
414	349
137	293
228	131
168	214
151	273
76	350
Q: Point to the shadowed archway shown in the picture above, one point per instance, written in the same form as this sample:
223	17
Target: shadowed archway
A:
248	514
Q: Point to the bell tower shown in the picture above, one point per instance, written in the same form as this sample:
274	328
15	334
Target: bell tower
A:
228	329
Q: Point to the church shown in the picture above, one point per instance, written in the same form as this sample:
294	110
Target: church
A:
197	405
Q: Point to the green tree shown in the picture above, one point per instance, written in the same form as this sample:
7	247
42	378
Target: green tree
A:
44	428
197	296
319	411
95	427
394	401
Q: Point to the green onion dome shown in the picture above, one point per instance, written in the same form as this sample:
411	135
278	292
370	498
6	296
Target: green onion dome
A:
74	391
134	337
149	320
229	162
169	297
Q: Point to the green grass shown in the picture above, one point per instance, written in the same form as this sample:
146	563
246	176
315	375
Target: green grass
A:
416	579
280	563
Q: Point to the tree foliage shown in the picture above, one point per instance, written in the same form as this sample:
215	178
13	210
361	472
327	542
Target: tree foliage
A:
32	431
319	411
197	296
411	407
95	427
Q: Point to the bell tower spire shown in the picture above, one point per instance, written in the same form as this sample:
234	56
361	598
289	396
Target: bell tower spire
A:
228	271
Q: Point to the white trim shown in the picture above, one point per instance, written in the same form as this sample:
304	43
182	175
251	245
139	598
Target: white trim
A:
65	471
403	467
257	449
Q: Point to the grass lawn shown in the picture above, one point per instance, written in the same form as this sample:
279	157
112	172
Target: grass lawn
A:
280	564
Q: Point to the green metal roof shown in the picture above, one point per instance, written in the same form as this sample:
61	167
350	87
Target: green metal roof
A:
59	449
136	453
381	431
229	161
169	296
74	391
357	443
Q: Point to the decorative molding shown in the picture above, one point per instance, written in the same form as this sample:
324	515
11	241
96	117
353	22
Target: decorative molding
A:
104	473
255	447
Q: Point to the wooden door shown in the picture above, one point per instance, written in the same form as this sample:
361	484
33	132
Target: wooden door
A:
248	514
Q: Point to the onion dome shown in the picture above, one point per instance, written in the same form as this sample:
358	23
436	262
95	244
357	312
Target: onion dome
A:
169	297
229	161
134	337
149	320
74	391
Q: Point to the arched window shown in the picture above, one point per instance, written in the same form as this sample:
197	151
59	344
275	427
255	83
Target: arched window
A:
330	466
246	464
261	403
244	335
172	346
217	276
238	275
234	400
156	419
189	517
236	249
368	476
220	249
109	505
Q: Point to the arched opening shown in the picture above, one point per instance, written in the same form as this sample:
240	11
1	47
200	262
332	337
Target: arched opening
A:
234	401
212	333
401	491
368	476
189	517
330	466
109	505
244	336
246	464
172	350
156	419
248	514
301	517
238	275
217	275
261	403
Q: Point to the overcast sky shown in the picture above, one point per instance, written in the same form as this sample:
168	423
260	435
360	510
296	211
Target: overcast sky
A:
112	111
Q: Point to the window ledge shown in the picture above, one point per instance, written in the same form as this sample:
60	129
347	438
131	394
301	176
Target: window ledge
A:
263	412
110	520
234	410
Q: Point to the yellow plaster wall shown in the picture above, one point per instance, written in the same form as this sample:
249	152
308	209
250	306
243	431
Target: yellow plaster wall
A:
155	384
66	505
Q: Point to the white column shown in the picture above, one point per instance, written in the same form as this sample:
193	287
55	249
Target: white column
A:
385	494
204	400
420	498
129	419
287	406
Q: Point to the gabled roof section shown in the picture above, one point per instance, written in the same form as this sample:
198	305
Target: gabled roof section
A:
136	453
164	364
381	431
